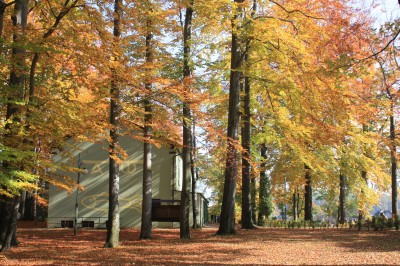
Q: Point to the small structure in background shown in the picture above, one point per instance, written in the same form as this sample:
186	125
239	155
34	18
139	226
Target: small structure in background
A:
93	199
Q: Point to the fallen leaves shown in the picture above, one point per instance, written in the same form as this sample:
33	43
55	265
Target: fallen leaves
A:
259	246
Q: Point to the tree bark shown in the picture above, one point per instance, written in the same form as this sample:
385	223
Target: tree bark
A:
146	225
253	199
185	194
9	208
10	236
360	212
393	157
294	205
342	214
23	204
364	177
193	161
227	217
265	204
307	195
247	210
246	166
113	227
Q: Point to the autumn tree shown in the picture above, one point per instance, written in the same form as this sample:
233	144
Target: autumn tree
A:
187	139
227	222
146	225
10	203
113	227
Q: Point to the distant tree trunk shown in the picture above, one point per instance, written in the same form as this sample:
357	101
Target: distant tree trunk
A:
193	160
227	217
22	204
265	196
298	206
185	194
294	205
342	214
307	195
364	177
35	204
393	157
253	199
360	211
113	227
146	225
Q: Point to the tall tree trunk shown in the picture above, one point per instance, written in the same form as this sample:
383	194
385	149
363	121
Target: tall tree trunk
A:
307	195
227	217
113	227
247	221
185	194
9	207
193	161
342	184
246	132
146	225
393	157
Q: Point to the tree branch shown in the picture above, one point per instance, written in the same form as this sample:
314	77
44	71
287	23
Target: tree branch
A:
383	49
295	11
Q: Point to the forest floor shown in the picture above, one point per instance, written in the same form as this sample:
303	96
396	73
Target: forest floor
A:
41	246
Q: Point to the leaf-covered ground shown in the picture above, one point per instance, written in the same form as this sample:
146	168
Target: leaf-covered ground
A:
41	246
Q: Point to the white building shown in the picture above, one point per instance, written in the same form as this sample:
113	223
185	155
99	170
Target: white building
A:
93	200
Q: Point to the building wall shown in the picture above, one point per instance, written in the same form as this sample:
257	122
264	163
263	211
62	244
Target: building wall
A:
93	200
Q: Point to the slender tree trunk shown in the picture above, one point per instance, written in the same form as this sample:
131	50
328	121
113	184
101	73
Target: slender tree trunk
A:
298	206
247	221
264	197
307	195
364	177
23	204
35	204
185	194
146	225
342	214
253	199
393	157
246	133
360	211
113	227
227	217
294	205
193	161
